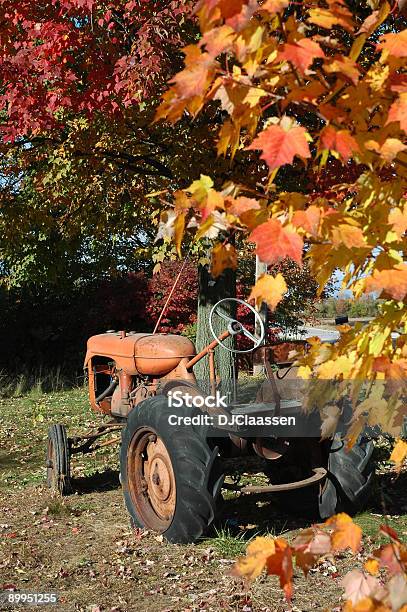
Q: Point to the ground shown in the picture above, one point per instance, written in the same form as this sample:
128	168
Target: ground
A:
83	548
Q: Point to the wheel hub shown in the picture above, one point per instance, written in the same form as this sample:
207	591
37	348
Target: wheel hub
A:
151	479
159	472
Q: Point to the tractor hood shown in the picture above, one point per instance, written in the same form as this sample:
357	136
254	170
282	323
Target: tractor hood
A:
138	353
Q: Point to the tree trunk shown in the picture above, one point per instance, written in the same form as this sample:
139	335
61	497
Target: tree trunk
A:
211	291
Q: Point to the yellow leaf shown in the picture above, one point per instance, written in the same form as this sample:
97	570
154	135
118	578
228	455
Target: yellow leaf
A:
223	256
372	566
399	452
199	189
255	561
351	237
269	289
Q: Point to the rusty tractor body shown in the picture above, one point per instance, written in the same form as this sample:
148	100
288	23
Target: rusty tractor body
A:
172	470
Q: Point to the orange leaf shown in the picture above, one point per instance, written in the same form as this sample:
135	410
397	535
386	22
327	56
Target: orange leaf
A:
274	242
274	6
398	112
269	289
195	79
301	53
398	219
340	141
399	452
365	605
395	44
280	564
346	534
255	561
308	219
372	566
280	143
392	282
309	546
179	229
213	201
218	40
345	67
229	8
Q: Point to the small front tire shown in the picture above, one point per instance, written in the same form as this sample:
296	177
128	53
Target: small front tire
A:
58	460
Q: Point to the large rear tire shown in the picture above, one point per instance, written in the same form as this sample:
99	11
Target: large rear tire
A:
347	487
350	478
170	475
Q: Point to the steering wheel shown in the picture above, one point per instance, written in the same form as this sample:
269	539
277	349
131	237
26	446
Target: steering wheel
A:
235	327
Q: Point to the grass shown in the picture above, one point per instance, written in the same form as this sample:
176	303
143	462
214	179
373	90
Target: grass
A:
87	551
23	433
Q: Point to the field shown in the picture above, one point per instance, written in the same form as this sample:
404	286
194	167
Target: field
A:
83	548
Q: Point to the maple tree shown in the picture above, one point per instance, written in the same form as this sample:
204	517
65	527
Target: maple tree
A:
305	86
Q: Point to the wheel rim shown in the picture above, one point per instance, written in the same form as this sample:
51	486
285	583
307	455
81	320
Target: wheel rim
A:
151	480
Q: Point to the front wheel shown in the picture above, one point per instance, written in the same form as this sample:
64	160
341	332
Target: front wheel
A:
58	460
169	473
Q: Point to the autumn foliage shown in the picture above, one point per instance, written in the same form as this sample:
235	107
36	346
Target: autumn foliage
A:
304	86
81	57
379	586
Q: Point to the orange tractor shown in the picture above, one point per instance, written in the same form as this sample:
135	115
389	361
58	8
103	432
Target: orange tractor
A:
175	455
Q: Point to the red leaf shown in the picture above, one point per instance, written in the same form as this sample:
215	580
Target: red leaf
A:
387	530
340	141
281	143
274	242
301	53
